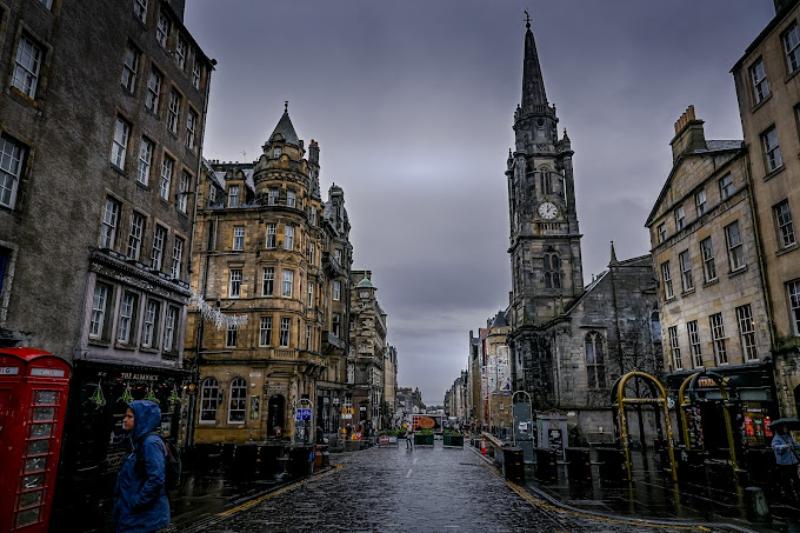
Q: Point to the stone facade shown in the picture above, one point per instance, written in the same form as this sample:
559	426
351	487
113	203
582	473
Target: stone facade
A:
705	251
390	387
94	243
409	401
368	353
269	250
474	403
768	90
568	344
496	379
455	399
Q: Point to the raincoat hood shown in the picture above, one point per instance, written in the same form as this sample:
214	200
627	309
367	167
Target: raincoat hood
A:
147	418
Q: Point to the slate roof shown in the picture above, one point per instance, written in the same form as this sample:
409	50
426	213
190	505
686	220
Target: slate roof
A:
286	129
712	147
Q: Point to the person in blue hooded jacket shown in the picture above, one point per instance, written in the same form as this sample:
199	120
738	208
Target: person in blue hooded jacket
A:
141	504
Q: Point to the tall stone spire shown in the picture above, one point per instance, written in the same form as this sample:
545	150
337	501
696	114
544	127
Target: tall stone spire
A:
533	93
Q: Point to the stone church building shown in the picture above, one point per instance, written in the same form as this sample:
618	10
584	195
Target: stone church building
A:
569	342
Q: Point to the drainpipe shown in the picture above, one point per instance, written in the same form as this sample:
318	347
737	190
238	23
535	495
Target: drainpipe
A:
195	370
762	277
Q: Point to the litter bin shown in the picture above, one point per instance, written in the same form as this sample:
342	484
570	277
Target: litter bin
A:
321	456
244	461
513	464
300	461
579	466
269	455
546	465
612	466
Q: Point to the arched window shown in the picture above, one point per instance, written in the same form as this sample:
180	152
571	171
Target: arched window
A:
209	400
655	327
595	362
552	270
237	401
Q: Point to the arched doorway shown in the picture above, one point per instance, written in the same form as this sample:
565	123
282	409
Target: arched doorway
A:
276	416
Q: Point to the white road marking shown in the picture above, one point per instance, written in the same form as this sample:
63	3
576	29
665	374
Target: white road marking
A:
414	461
408	474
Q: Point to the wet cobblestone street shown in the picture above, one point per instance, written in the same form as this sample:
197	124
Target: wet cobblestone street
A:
427	489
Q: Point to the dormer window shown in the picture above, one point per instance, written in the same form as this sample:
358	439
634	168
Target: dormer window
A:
276	152
233	196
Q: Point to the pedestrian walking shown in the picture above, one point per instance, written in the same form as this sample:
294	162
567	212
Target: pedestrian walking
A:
785	449
140	496
409	441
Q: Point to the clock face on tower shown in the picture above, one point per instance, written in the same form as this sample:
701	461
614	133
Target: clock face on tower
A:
548	210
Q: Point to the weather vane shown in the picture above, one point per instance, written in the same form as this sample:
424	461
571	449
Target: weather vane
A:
286	106
527	20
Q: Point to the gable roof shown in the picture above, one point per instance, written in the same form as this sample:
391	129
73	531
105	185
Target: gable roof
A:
712	147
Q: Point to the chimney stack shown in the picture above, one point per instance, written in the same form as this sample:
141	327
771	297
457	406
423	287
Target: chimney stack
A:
782	5
689	134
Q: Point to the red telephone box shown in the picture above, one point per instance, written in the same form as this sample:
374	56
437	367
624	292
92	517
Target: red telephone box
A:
33	403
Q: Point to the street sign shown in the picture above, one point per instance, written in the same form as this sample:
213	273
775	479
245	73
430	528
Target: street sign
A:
303	414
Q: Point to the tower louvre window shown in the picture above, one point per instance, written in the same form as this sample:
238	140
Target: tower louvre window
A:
552	270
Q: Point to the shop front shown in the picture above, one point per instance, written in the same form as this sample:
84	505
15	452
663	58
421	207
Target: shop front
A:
95	444
748	393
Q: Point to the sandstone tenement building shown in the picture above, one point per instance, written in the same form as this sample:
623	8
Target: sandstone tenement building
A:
768	90
101	124
274	260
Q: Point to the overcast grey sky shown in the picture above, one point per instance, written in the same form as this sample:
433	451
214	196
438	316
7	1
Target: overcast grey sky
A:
412	103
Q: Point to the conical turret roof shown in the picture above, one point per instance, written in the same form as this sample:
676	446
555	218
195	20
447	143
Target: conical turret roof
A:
285	129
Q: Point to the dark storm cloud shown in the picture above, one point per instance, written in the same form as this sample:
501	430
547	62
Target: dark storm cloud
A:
412	104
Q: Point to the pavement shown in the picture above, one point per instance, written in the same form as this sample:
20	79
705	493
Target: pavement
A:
427	489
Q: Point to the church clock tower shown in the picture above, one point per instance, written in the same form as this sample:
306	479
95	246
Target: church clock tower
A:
544	236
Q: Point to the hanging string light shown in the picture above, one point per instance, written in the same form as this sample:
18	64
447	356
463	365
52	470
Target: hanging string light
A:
151	395
97	396
219	319
174	397
127	396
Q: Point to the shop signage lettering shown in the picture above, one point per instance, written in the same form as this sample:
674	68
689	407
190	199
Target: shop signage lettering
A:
138	377
47	372
706	383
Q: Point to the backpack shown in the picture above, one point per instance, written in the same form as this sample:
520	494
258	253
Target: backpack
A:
172	463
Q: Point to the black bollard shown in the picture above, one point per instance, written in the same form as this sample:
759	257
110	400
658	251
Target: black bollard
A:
756	505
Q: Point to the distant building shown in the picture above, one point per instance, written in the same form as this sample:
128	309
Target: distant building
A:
474	364
704	246
368	351
455	399
390	386
768	90
497	380
409	402
568	343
